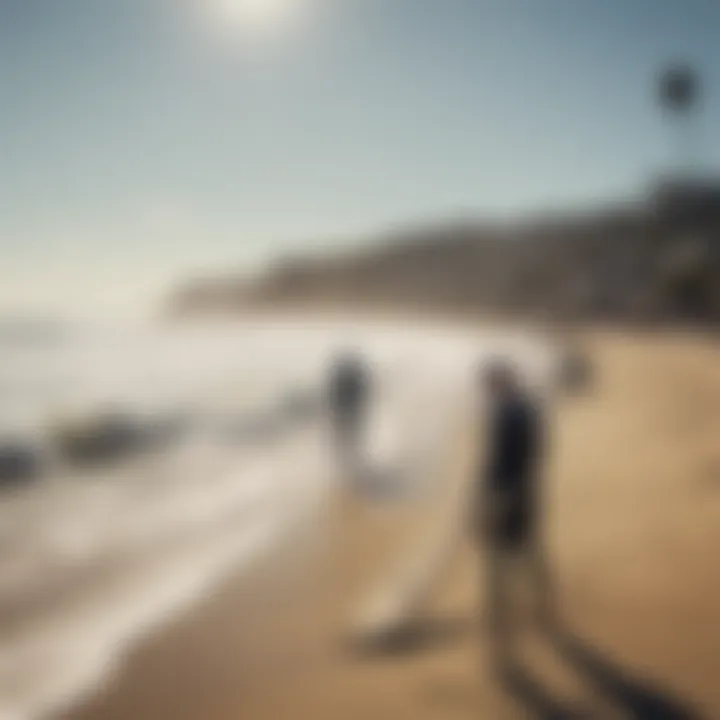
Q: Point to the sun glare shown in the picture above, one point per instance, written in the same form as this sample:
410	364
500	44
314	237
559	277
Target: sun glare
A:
255	16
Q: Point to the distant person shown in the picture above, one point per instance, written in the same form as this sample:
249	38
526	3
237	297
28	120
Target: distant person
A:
508	504
348	398
576	372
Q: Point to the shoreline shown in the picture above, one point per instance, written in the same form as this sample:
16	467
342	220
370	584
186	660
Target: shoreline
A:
633	528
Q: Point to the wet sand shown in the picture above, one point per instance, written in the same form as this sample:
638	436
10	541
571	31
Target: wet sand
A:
633	529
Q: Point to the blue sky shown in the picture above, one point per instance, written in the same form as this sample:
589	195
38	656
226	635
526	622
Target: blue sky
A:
140	139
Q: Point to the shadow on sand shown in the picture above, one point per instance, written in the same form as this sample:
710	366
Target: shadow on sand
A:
633	697
532	694
423	635
614	686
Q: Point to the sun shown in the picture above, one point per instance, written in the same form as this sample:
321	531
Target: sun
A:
255	16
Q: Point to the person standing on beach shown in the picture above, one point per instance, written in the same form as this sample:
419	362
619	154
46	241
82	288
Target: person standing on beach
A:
348	397
507	506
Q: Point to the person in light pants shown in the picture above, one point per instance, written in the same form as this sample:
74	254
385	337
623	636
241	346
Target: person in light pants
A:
348	397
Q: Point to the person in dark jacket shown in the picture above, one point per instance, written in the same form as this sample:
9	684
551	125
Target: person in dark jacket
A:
348	397
509	501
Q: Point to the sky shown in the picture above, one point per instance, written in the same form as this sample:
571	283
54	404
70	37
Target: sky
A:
144	141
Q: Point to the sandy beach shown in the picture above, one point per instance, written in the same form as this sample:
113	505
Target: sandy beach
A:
633	527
